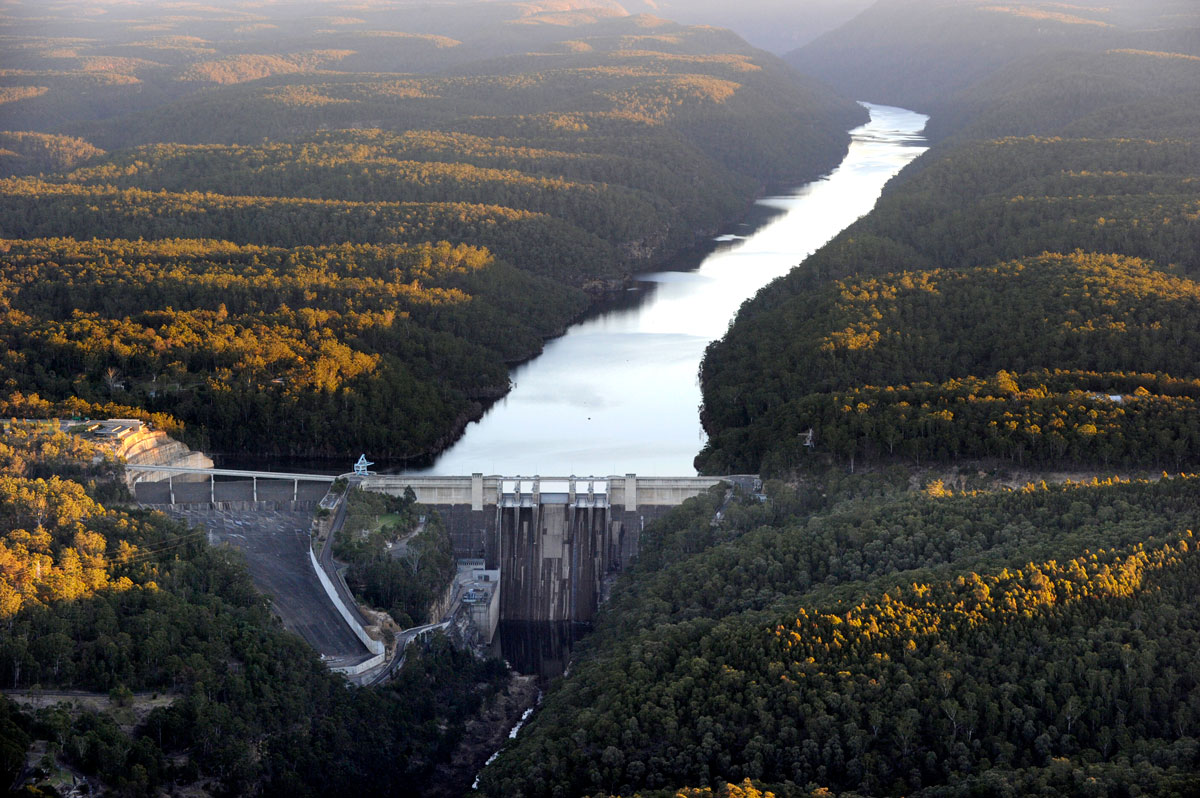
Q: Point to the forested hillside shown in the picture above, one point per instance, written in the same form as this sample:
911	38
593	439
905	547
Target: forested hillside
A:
1009	297
268	349
1087	360
399	558
894	618
296	231
122	602
1034	642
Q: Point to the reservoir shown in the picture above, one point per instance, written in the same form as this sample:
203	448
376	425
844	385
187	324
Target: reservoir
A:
619	392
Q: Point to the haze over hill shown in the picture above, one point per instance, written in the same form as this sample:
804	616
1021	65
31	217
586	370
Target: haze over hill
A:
775	25
940	56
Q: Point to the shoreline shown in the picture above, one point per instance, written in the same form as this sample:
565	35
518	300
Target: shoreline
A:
628	293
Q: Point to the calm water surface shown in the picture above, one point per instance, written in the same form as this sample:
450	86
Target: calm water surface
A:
619	392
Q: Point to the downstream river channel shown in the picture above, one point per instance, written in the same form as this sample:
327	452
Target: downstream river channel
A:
618	393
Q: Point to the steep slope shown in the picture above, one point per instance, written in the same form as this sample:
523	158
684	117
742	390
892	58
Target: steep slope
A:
1022	643
105	603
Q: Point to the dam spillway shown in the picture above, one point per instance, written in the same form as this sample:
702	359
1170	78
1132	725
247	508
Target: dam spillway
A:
556	544
553	539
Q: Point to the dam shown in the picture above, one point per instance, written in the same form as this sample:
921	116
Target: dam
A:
631	409
553	539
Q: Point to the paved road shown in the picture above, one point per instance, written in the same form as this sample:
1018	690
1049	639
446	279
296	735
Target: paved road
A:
399	549
402	641
276	548
461	580
325	556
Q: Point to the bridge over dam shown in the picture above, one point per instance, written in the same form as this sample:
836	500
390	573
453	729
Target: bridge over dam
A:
553	539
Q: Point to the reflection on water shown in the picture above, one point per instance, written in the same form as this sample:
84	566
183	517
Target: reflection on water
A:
619	393
538	648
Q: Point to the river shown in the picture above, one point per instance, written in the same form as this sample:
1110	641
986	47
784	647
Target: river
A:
618	393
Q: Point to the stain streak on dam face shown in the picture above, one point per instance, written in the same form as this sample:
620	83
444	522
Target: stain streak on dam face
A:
556	545
554	540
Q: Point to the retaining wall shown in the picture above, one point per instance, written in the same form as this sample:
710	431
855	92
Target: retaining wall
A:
374	646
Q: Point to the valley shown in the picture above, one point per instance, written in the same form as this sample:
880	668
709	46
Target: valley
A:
487	240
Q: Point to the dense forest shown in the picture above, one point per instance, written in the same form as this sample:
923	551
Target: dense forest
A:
1087	360
129	603
271	349
1026	642
286	232
312	229
323	231
1054	255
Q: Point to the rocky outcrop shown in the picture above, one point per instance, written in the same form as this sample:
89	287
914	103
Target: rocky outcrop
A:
155	447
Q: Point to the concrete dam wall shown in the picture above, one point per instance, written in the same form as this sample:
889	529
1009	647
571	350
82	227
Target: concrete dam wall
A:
554	540
552	560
